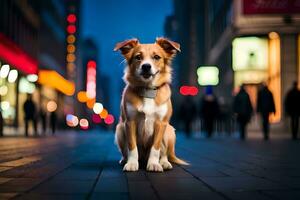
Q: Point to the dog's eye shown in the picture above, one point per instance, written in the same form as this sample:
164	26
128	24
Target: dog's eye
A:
156	57
138	57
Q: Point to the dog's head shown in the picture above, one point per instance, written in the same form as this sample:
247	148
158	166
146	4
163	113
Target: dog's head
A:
148	64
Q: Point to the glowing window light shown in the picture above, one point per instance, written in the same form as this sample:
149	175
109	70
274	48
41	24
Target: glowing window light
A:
12	76
208	75
104	113
97	108
71	18
3	90
51	106
4	71
109	119
82	97
71	39
71	29
5	105
32	77
25	86
96	118
53	79
90	103
188	90
250	53
84	124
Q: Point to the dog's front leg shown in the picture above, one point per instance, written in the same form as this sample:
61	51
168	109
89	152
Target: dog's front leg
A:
153	160
133	158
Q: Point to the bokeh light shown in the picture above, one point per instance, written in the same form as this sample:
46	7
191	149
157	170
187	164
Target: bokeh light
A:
188	90
109	119
90	103
71	48
4	71
81	96
71	29
51	106
72	120
12	76
96	119
71	39
97	108
3	90
71	18
71	57
32	77
84	124
104	113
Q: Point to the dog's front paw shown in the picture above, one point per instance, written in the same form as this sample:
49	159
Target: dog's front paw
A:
131	166
165	164
122	161
154	167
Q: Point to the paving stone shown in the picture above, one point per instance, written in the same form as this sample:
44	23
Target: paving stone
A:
50	197
247	195
118	185
284	194
19	185
110	196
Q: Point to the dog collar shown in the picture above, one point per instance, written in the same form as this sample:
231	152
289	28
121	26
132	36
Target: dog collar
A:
148	92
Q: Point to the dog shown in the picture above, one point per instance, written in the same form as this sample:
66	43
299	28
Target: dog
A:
144	130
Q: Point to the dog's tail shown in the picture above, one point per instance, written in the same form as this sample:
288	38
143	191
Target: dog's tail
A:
173	158
171	147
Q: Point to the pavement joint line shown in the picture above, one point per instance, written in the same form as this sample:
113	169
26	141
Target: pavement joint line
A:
207	185
155	191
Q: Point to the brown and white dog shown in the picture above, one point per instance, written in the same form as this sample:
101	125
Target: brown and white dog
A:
144	130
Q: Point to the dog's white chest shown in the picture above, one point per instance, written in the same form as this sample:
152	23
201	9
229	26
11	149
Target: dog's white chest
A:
151	112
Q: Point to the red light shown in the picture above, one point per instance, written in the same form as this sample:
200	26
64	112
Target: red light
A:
109	119
71	18
96	119
92	64
188	90
71	29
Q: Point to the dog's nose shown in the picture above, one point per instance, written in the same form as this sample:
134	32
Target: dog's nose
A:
146	67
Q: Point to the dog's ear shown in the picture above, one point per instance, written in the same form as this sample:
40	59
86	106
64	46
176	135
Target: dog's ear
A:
169	46
126	46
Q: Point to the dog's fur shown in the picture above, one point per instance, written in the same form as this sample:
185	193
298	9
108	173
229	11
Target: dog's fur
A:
144	130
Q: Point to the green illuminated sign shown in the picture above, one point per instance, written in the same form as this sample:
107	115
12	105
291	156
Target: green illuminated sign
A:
208	75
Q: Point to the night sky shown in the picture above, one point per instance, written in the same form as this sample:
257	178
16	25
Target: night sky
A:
111	21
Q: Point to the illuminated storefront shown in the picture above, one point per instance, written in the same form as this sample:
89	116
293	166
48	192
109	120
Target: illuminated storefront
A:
256	60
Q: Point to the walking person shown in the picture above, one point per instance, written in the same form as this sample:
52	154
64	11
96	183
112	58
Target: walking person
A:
292	108
243	109
30	114
53	122
265	106
187	114
43	117
209	110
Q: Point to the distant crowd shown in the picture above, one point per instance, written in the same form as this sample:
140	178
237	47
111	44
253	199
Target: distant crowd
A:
242	109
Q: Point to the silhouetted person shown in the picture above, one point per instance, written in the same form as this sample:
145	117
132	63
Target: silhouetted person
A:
43	117
187	114
243	109
209	110
292	108
53	122
30	115
265	106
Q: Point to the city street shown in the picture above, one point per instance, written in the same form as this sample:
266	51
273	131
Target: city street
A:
84	165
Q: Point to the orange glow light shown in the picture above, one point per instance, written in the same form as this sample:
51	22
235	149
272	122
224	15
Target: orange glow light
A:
71	39
104	113
90	103
71	66
53	79
71	48
81	96
71	57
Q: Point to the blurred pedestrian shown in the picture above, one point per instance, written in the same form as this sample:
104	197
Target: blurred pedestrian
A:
187	114
30	114
292	108
243	109
53	122
209	110
265	106
43	117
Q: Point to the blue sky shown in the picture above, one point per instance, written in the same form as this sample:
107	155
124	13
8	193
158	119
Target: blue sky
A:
111	21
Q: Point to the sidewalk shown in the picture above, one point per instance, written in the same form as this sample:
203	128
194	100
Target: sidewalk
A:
85	166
